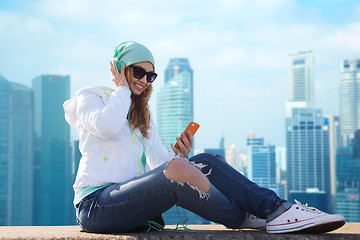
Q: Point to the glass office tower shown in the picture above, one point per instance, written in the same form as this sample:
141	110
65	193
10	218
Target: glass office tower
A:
349	99
308	157
301	79
261	162
307	137
334	143
175	101
5	89
16	153
53	173
174	113
347	198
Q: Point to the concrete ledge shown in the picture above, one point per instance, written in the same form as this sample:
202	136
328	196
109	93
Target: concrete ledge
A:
348	231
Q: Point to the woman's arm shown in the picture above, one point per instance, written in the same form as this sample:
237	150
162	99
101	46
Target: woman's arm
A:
156	152
103	119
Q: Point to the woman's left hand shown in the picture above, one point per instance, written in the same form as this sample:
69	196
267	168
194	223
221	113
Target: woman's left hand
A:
185	143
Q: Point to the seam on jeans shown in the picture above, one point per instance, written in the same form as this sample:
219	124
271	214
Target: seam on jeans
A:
202	194
210	160
82	226
93	198
131	199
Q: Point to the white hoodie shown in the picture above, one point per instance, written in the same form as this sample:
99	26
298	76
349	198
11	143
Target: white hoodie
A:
111	153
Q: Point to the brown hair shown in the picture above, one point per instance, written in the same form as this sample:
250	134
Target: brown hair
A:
139	116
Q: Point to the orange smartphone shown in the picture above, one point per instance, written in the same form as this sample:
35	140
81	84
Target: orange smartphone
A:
192	127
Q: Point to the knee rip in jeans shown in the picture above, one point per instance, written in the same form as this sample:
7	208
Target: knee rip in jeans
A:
199	166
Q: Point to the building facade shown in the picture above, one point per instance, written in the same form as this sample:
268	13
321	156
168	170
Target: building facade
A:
348	204
261	163
349	99
16	153
233	157
334	143
5	89
308	157
347	198
53	173
301	79
175	101
174	113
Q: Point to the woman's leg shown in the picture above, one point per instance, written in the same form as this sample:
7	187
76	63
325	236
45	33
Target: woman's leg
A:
127	206
261	202
281	215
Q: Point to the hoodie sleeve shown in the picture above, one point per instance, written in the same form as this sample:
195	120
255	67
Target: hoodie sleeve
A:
157	152
102	118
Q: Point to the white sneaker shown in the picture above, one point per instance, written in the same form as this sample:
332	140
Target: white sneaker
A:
301	218
253	222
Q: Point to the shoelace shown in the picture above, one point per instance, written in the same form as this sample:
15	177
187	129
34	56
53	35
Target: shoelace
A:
315	210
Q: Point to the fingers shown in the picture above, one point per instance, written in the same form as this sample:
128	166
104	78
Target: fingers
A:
190	138
181	152
123	68
113	67
176	151
185	143
117	77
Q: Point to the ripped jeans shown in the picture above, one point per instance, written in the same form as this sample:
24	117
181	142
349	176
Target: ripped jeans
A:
127	206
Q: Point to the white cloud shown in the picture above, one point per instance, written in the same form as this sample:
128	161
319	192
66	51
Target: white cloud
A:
14	25
346	38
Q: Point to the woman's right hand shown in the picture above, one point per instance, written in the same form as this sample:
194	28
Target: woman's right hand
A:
119	79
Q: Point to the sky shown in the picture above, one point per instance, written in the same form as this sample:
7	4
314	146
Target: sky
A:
238	50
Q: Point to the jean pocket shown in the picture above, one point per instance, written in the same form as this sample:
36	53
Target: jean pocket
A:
85	214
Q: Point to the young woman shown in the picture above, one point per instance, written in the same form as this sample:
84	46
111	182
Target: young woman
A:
126	177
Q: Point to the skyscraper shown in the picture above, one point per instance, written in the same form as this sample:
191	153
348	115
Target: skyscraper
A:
175	101
16	153
349	99
308	157
334	137
52	196
261	162
232	157
280	163
347	198
5	89
174	113
307	137
301	80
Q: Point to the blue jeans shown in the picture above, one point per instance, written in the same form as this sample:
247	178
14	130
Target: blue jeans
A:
126	206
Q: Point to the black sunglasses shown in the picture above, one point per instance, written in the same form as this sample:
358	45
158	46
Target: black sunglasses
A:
140	72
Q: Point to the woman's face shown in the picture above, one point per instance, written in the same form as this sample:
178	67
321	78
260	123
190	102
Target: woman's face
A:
137	86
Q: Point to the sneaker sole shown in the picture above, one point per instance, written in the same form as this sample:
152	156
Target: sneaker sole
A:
307	228
323	228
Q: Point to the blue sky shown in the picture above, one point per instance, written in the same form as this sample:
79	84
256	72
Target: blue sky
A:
238	50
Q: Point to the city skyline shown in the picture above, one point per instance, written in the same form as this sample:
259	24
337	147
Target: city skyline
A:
238	50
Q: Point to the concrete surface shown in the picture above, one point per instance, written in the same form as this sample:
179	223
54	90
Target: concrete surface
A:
348	232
